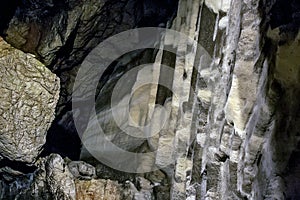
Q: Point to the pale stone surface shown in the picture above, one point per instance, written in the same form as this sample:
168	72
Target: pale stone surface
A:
82	170
98	189
29	93
233	123
59	178
216	6
223	22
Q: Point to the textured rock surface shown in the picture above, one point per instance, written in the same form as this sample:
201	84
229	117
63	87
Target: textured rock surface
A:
55	179
52	180
82	170
29	93
98	189
236	95
72	30
233	112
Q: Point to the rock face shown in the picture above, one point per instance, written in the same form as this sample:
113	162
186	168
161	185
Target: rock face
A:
220	122
29	93
54	179
72	30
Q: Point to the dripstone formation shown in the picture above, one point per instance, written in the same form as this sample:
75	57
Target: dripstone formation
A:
224	124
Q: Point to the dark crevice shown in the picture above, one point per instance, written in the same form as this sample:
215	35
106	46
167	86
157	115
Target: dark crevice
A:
285	14
17	166
63	141
157	12
7	12
65	50
163	90
63	138
293	177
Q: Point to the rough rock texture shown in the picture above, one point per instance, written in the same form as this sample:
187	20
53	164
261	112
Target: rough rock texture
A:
29	93
82	170
221	127
52	180
72	29
246	138
98	189
55	180
232	128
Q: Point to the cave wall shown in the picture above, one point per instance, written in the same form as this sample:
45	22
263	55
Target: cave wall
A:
232	129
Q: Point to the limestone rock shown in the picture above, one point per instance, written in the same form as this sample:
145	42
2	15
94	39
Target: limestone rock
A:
145	190
62	33
108	189
82	170
98	189
232	121
52	180
29	93
59	179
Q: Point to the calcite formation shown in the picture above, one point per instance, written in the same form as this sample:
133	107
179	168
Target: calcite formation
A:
222	122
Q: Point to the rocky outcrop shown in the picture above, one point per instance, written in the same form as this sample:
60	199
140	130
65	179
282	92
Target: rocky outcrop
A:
240	151
219	122
72	30
29	93
82	170
224	129
57	179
